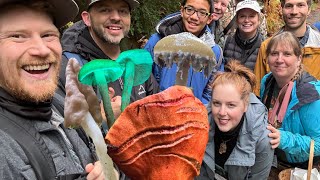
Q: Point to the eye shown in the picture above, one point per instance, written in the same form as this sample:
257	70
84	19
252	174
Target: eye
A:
17	37
216	104
203	13
274	53
231	105
124	12
287	54
104	10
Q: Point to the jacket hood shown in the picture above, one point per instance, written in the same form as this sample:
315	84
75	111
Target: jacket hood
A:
77	39
303	96
299	95
172	24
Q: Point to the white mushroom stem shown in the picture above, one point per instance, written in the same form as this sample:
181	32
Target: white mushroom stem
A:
93	130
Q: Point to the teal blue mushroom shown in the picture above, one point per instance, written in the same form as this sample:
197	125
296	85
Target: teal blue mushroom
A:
137	66
100	72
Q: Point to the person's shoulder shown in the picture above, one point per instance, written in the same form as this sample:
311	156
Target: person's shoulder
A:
152	41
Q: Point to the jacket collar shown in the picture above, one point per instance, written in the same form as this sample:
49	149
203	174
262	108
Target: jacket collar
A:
172	24
28	110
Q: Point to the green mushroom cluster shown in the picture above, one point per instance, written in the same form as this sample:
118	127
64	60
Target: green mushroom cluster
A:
133	65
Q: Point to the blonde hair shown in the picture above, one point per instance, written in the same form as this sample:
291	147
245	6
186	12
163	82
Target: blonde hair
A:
238	75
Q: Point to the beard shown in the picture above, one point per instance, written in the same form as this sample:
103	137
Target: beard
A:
31	90
107	38
43	94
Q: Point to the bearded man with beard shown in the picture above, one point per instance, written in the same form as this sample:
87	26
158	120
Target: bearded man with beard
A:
97	36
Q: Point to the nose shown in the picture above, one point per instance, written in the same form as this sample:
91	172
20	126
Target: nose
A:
294	10
222	111
39	47
280	58
217	5
115	15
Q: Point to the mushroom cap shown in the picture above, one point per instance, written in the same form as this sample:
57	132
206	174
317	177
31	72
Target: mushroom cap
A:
142	61
162	136
184	48
110	69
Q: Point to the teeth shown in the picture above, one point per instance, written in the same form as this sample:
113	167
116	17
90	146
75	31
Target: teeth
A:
36	68
114	28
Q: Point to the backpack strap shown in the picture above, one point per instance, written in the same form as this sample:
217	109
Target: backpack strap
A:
23	132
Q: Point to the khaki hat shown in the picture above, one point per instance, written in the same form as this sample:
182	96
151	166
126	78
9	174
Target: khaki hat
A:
64	11
132	3
250	4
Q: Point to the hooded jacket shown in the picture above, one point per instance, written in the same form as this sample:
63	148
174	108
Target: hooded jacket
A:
246	51
172	24
310	44
300	123
78	40
252	156
14	163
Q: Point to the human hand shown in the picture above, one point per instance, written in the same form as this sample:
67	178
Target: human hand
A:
275	135
95	171
115	104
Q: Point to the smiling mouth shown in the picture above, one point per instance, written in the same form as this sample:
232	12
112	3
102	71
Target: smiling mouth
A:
114	28
36	69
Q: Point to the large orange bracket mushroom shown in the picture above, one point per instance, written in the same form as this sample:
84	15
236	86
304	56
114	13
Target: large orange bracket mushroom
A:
184	49
161	137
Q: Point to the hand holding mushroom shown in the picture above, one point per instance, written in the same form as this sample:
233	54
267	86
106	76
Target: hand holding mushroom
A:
81	104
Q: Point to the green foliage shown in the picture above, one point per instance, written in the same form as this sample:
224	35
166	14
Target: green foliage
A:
148	14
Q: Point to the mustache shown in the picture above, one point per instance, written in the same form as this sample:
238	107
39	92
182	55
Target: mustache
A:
40	61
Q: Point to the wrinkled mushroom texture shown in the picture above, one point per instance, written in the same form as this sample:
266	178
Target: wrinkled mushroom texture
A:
162	136
184	47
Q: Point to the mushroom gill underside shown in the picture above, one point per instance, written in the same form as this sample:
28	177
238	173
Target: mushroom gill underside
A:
162	136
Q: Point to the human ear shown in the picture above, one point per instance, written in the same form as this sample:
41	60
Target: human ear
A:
86	18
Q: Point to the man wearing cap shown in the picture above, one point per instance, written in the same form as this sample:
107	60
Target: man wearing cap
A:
97	36
33	142
294	14
193	17
244	44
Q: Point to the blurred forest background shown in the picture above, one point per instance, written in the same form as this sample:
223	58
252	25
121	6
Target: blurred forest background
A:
148	14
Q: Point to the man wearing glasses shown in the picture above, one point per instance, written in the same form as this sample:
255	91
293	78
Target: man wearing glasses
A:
194	17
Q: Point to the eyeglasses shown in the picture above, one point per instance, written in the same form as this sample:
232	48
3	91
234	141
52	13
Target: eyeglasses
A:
190	11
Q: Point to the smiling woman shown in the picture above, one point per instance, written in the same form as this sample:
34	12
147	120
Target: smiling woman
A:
238	138
292	96
244	44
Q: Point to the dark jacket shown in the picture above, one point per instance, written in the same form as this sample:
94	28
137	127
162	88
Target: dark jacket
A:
14	163
166	77
246	51
78	40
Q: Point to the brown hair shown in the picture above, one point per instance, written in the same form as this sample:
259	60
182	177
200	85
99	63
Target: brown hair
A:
238	75
285	38
309	2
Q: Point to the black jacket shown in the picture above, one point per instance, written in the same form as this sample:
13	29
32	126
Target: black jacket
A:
246	51
78	40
